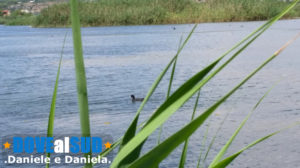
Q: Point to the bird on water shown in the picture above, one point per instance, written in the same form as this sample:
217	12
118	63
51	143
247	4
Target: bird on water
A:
134	99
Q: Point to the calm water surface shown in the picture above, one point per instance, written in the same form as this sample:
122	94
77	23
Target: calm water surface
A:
125	60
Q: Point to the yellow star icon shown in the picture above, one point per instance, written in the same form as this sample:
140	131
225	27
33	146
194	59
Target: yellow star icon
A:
107	145
6	145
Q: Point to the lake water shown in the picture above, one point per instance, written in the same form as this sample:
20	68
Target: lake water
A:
125	60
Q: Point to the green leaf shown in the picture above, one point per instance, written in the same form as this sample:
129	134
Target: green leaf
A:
53	102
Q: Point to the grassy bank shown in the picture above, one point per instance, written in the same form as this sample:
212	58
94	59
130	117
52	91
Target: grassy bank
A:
144	12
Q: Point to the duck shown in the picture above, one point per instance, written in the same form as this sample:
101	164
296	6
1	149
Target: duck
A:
136	99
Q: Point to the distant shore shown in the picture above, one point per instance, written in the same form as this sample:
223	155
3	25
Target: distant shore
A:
146	12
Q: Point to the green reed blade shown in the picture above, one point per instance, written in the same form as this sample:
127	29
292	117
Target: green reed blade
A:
219	156
212	142
228	160
80	73
53	102
203	144
185	146
170	86
151	159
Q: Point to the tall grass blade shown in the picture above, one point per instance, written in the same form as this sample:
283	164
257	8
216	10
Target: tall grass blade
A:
130	133
212	142
185	146
165	148
203	144
80	73
170	86
226	146
53	102
229	159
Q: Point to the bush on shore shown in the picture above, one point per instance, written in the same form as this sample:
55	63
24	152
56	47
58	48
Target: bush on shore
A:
18	18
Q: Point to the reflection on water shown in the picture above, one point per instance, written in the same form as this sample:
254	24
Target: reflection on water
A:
125	60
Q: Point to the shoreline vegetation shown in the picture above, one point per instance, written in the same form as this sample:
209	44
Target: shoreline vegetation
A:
147	12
